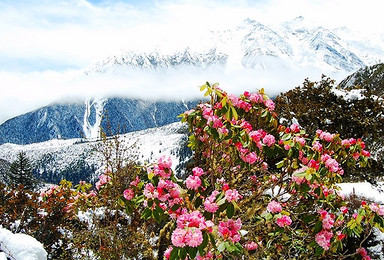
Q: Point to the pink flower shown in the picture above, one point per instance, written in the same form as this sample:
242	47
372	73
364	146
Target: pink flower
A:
178	237
327	219
211	206
231	195
332	165
250	158
103	179
284	221
295	128
229	230
194	237
128	194
167	253
299	140
365	153
149	190
251	246
135	182
269	104
313	164
197	171
193	182
325	135
256	98
344	209
317	146
164	163
274	207
377	208
269	140
323	239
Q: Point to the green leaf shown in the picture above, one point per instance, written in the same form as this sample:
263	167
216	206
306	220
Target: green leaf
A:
230	210
183	253
213	242
203	87
174	253
280	164
234	113
318	227
147	213
192	251
221	202
319	251
308	218
221	247
157	214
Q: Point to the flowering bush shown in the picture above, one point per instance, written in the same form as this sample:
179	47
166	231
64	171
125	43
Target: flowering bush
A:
258	188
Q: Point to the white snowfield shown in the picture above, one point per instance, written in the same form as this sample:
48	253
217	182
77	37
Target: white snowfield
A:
20	247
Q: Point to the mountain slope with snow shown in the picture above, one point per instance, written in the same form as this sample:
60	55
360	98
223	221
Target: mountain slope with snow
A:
77	159
83	120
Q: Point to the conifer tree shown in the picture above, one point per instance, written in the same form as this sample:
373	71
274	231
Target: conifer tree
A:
21	171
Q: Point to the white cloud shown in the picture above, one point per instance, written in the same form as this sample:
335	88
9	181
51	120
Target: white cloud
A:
43	43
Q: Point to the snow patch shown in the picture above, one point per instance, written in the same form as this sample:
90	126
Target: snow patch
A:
20	246
93	130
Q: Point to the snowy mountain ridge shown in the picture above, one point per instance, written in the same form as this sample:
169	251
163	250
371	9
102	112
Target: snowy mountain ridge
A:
255	45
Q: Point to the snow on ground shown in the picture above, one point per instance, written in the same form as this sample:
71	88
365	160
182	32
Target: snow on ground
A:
20	247
364	189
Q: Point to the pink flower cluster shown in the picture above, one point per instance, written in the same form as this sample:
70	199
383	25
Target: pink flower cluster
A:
229	229
251	246
283	221
189	231
232	195
166	192
363	253
209	204
331	164
377	208
327	219
328	137
128	194
323	239
246	155
103	179
193	182
274	207
162	168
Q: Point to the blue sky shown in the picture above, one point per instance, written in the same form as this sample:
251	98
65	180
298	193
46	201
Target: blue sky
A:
44	44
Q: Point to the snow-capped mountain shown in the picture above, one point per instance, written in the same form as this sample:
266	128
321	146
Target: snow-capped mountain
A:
84	119
78	159
255	45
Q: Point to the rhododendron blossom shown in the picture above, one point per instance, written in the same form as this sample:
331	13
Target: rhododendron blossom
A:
323	239
128	194
283	221
274	207
193	182
103	179
269	140
230	229
327	219
232	195
251	246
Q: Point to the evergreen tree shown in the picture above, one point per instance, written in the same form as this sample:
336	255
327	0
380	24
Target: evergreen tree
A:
21	171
